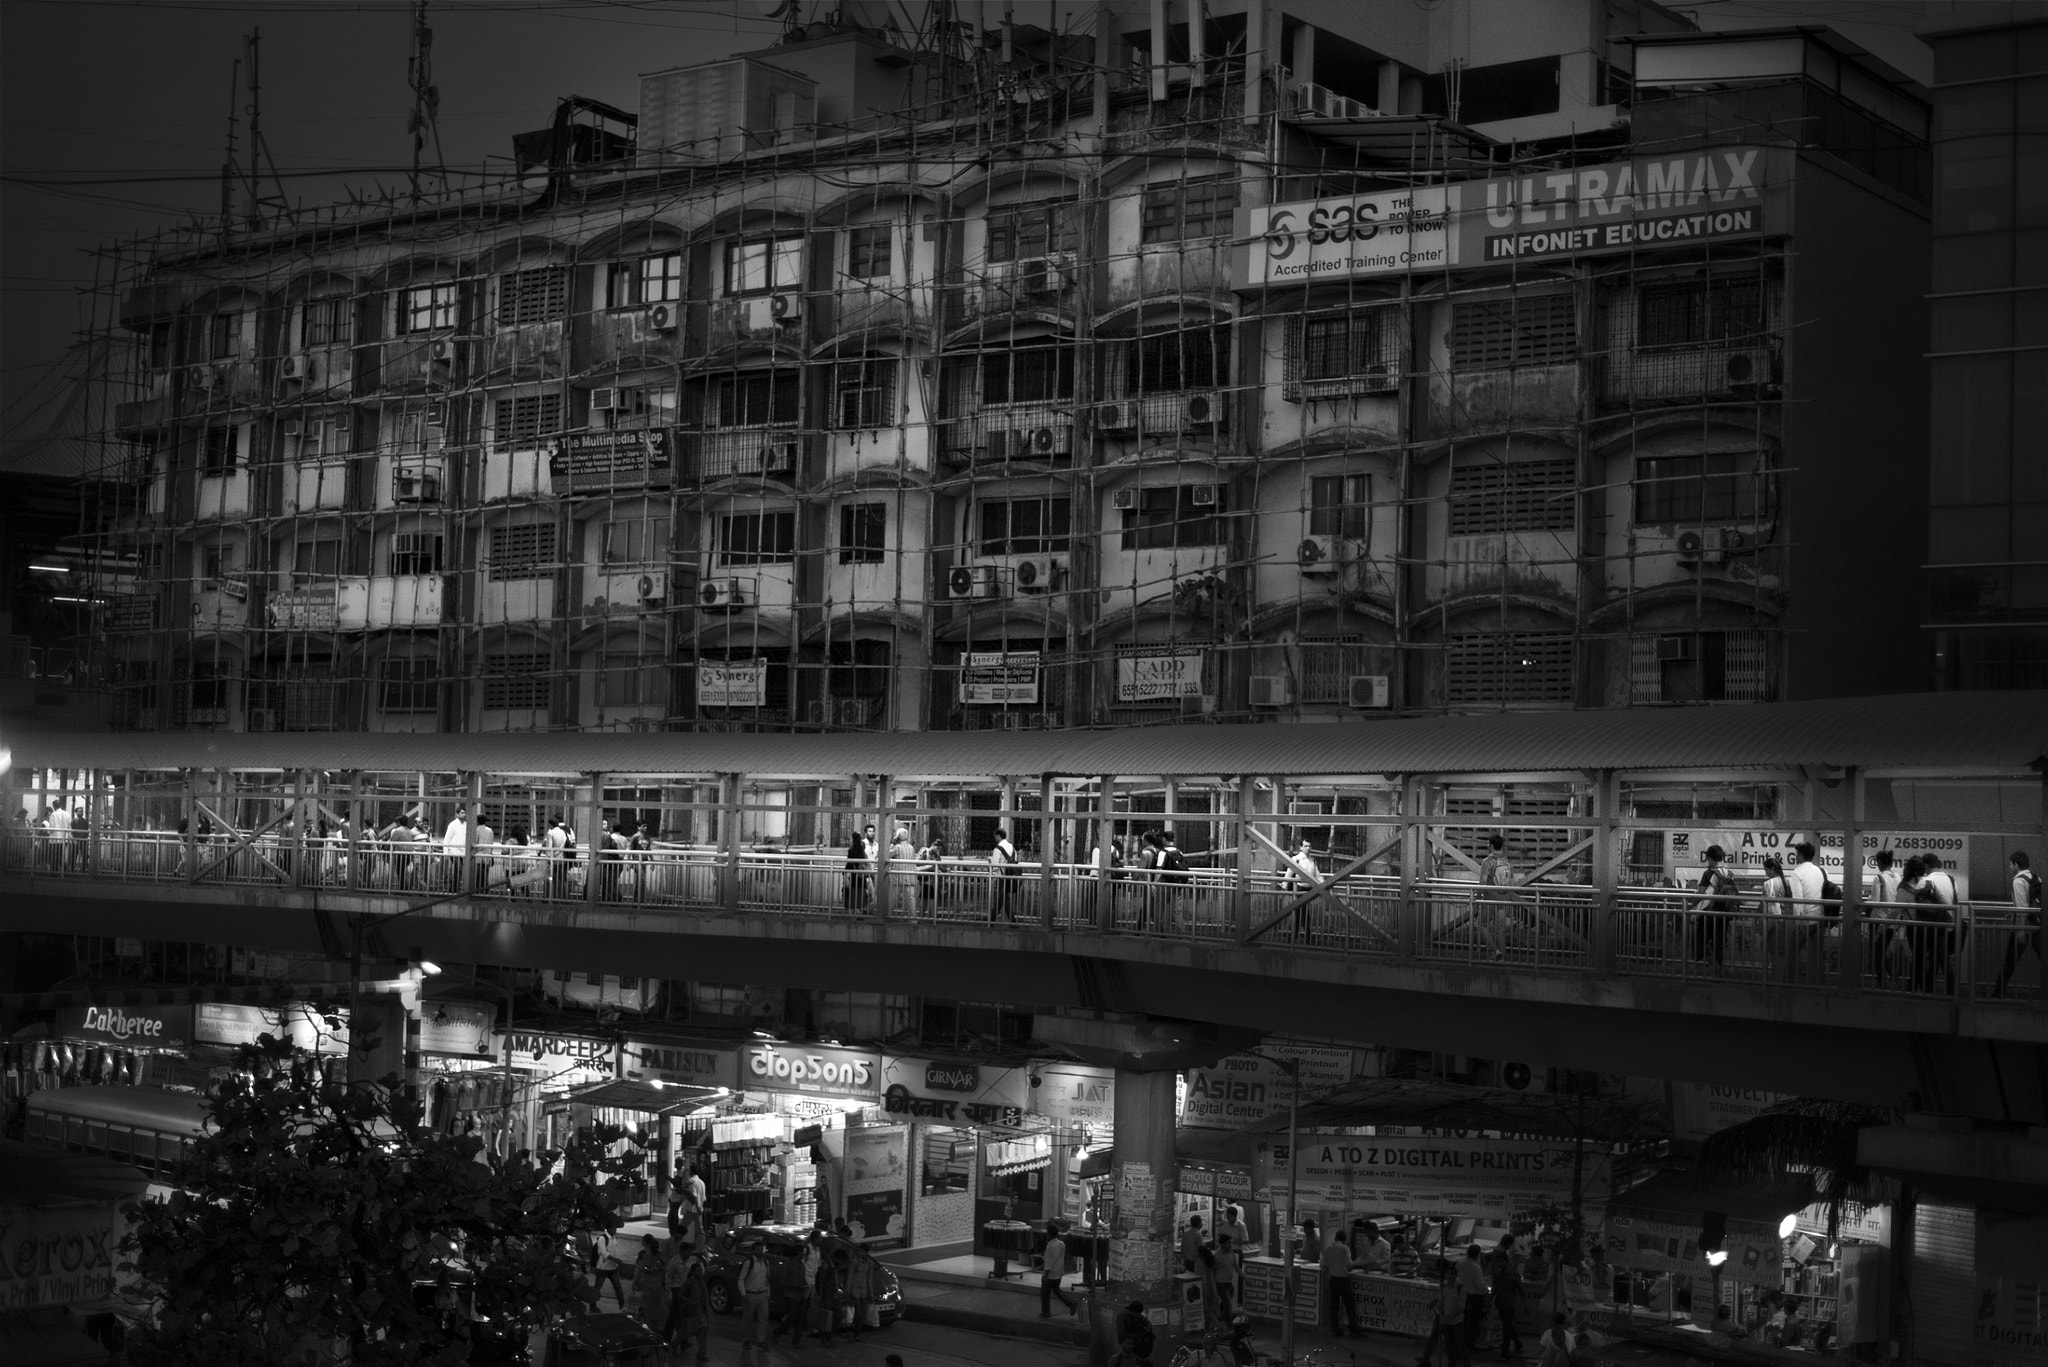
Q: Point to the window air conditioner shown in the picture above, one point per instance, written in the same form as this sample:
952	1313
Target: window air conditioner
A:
722	595
1367	690
1204	410
604	400
779	458
1124	500
416	485
440	349
1706	546
817	712
1035	574
1521	1077
661	318
1320	555
653	587
1117	417
1040	275
200	376
1202	495
786	308
1675	649
973	581
297	366
1271	690
262	719
437	415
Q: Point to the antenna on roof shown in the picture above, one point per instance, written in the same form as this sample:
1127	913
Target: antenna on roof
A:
426	99
259	150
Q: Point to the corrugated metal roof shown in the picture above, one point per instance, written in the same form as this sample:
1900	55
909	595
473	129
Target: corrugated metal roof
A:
1952	732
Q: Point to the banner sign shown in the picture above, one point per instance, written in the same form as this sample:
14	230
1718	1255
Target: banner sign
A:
876	1164
301	609
569	1060
1675	200
1159	678
824	1069
1246	1088
608	460
1754	1252
732	685
1075	1094
458	1029
1491	1177
1746	850
131	1027
686	1065
997	677
965	1093
1698	1111
60	1255
1400	1305
304	1027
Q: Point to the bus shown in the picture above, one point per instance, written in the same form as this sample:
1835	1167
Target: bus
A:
149	1127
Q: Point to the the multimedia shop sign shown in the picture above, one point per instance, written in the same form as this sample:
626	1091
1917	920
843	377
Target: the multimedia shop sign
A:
582	461
684	1065
954	1093
822	1069
1440	1175
130	1027
999	677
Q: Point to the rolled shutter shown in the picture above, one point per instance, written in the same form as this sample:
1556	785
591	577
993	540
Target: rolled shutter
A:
1941	1284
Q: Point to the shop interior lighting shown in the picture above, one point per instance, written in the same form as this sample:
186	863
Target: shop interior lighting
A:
51	569
1787	1225
1714	1234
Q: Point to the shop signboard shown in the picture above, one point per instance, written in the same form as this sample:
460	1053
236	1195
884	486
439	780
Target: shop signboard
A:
1225	1184
563	1060
1245	1089
876	1168
305	609
685	1065
1662	1246
606	459
1399	1305
1265	1290
1075	1094
130	1027
1746	850
1441	1176
999	677
826	1070
1344	237
1164	676
1872	1224
302	1026
954	1093
732	683
61	1255
457	1029
1698	1111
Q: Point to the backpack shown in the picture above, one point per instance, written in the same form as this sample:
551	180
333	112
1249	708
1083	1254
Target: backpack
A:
1925	897
2033	888
1172	862
1832	893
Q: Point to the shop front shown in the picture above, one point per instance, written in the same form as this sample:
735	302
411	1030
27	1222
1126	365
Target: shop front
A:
789	1156
104	1046
953	1109
686	1082
1057	1168
543	1068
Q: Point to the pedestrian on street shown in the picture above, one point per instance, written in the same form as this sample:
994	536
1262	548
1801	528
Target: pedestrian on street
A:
1710	915
1008	870
1336	1271
1473	1281
860	854
1447	1324
1303	878
794	1276
754	1327
2026	934
1507	1294
650	1297
824	1300
930	860
1055	1268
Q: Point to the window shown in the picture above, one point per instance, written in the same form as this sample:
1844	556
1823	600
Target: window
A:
515	680
626	680
1340	505
1033	230
754	266
1509	667
868	254
416	553
1521	329
1024	526
316	560
524	420
1184	359
858	669
948	1164
417	429
1706	666
1721	486
1185	210
325	323
1168	515
408	685
863	533
217	454
526	551
1034	370
160	346
427	308
217	562
323	436
209	687
636	541
1698	312
1528	496
639	407
1328	664
649	280
224	336
757	539
1343	346
540	295
864	394
761	399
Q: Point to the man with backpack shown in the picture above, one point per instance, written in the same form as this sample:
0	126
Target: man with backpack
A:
1710	915
1134	1337
1808	886
1004	857
1939	890
1174	875
2026	932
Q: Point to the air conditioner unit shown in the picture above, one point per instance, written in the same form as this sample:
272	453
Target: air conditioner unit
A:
1675	649
604	400
973	581
722	595
1035	574
786	308
1367	690
1527	1078
779	458
437	415
1319	100
1271	690
201	376
1203	410
262	719
1706	546
1124	500
662	318
1739	369
817	712
653	588
1117	417
1319	555
1030	443
298	366
415	485
1202	495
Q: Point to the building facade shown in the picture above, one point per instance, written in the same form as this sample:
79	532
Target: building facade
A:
1027	381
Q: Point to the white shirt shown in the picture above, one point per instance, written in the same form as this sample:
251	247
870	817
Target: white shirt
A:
1804	881
60	820
1943	885
1306	864
457	834
1885	886
554	839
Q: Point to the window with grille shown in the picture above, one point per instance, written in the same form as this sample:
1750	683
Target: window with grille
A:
858	669
863	533
1508	667
1033	230
639	408
217	450
323	436
1187	210
1719	486
415	429
524	420
1687	313
1523	496
868	254
325	322
1344	346
648	280
1183	359
1034	370
1168	515
1023	526
540	295
1520	329
416	553
519	680
1328	663
626	680
209	687
427	308
864	394
217	561
224	336
1703	666
525	551
1340	505
757	265
636	540
766	538
762	399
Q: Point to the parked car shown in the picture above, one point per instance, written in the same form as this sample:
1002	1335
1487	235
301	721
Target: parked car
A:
601	1340
782	1243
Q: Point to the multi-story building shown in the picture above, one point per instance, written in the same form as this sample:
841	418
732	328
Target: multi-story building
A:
1988	441
981	384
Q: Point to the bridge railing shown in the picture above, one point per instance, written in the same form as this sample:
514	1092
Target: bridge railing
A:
1982	952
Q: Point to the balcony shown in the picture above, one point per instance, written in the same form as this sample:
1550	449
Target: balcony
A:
1042	433
756	320
1213	114
1690	376
154	408
373	603
1203	415
1048	283
415	365
872	308
317	374
317	486
770	452
223	495
611	592
627	339
1537	564
217	387
528	352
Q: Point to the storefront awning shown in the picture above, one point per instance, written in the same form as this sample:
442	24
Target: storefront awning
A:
651	1098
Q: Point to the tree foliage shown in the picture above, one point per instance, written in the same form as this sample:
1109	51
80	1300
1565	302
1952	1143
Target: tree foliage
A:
312	1210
